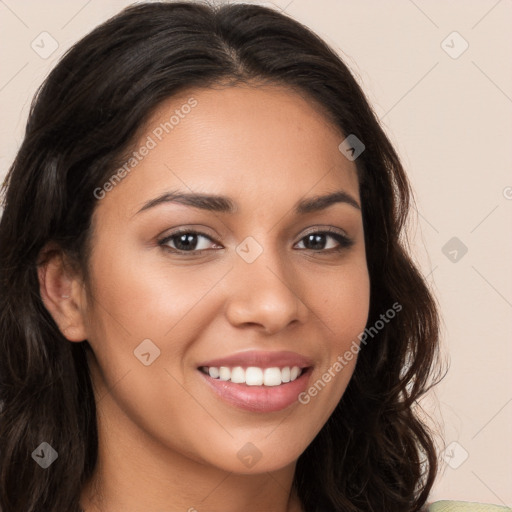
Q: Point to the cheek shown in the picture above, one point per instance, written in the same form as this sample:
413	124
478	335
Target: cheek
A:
343	306
344	302
148	296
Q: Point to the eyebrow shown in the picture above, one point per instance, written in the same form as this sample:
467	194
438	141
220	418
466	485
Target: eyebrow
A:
224	204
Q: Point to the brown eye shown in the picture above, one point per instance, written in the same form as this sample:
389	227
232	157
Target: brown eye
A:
317	241
185	241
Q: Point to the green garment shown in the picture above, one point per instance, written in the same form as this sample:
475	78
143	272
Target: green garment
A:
464	506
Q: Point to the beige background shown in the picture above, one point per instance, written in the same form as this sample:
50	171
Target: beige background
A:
449	116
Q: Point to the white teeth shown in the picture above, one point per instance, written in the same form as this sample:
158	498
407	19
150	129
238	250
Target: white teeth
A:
272	377
224	373
254	376
238	375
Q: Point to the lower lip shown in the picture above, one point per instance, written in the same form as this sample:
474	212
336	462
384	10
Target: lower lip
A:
259	398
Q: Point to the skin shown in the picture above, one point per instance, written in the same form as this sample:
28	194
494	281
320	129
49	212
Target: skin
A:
166	441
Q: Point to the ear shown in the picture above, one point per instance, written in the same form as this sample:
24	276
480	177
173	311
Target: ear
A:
63	292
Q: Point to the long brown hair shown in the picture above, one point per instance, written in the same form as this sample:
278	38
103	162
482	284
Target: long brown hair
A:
374	453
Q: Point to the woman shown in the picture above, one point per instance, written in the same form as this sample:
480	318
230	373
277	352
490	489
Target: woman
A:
206	299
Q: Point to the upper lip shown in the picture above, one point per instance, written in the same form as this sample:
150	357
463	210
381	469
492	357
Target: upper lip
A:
261	359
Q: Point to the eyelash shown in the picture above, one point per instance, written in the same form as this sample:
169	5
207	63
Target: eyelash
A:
343	241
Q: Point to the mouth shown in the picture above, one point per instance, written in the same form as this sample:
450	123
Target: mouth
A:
253	375
258	381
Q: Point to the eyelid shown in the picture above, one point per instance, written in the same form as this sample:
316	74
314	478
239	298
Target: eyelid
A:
328	229
197	229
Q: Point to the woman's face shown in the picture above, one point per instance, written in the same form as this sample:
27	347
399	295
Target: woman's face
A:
261	286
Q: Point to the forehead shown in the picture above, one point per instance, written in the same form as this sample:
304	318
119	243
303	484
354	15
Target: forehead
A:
247	142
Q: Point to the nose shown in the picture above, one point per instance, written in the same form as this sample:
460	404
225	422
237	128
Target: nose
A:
265	293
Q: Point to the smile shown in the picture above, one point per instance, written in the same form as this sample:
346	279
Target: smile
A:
253	375
258	381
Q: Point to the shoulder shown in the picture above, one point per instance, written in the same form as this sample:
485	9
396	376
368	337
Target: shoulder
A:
464	506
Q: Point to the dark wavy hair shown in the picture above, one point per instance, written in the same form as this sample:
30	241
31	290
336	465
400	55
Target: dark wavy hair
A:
374	453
